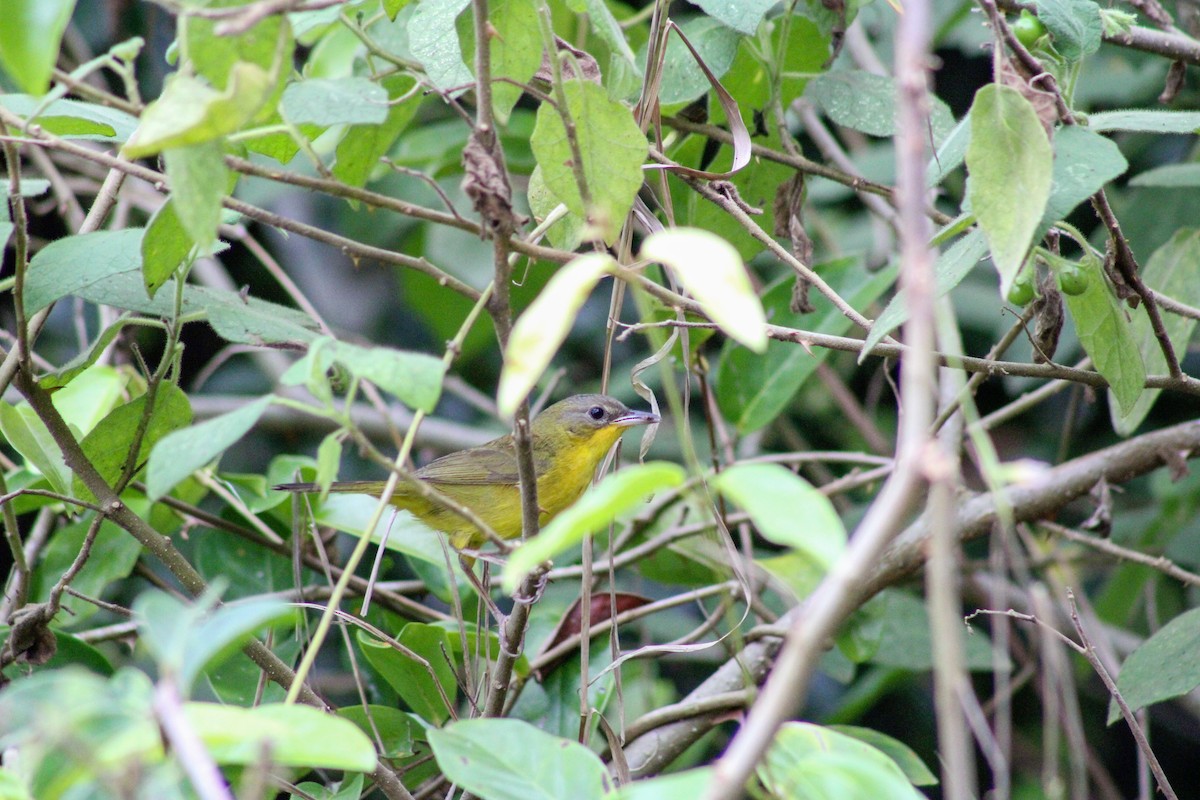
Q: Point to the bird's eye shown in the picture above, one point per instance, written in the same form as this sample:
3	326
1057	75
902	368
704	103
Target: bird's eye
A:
596	413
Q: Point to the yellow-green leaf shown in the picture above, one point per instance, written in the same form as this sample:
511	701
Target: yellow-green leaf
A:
614	495
544	325
711	269
1107	336
1010	163
611	147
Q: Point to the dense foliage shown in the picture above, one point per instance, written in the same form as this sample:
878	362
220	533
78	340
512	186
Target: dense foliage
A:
911	284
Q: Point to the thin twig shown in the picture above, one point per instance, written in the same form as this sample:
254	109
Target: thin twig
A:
1139	735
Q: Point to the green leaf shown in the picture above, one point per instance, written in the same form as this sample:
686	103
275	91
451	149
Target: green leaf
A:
567	233
1074	24
741	15
905	641
190	112
414	378
786	509
950	153
393	7
274	143
91	395
199	182
329	457
421	686
434	42
711	269
13	786
611	146
350	788
69	725
179	454
30	38
335	101
908	761
74	119
294	735
268	45
1171	176
1084	162
186	638
807	760
113	556
614	495
86	359
682	78
164	247
551	704
394	727
239	681
1171	271
362	146
624	74
1145	121
753	389
690	783
113	276
1107	336
1010	162
27	434
1162	667
539	332
866	102
506	759
69	265
952	266
515	47
488	647
249	320
107	445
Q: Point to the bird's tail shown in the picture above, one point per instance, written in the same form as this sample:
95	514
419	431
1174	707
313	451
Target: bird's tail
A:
355	487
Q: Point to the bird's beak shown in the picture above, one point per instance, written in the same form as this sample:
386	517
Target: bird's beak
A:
632	418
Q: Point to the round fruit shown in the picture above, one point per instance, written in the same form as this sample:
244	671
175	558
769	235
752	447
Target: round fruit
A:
1021	292
1072	279
1028	29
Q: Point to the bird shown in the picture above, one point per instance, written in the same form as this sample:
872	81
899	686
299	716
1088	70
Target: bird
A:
569	439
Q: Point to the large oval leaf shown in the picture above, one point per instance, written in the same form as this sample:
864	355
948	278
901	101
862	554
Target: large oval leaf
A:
506	759
536	336
711	269
612	149
1010	162
786	509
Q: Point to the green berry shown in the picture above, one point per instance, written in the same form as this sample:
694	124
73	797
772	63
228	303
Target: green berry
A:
1021	292
1028	29
1072	279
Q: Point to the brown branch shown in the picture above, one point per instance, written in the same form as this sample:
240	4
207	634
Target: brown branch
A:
1184	384
1175	46
1160	563
1139	735
837	594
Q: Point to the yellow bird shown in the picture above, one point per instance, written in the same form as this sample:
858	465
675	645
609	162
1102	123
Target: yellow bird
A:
569	440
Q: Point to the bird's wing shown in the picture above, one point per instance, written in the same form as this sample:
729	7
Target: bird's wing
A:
490	464
479	466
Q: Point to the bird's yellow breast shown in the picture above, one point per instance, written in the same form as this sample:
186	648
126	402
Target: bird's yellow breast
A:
566	476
